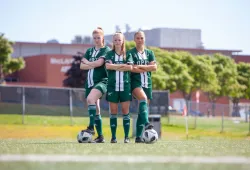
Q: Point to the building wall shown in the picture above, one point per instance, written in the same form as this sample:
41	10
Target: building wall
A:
57	65
23	49
180	38
241	58
35	70
45	69
167	37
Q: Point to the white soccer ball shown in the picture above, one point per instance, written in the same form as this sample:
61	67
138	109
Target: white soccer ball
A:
84	137
150	136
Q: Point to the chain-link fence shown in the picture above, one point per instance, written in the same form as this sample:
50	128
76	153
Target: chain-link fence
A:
63	102
209	116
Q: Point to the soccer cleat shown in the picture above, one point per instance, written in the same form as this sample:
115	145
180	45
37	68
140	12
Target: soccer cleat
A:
149	126
99	139
89	130
139	140
126	140
113	140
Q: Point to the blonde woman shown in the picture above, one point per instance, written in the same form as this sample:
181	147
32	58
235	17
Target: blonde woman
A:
96	83
119	66
141	82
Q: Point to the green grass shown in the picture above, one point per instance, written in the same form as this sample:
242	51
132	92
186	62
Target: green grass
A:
209	147
118	166
55	135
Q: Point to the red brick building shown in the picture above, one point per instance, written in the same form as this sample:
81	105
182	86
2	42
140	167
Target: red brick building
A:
46	64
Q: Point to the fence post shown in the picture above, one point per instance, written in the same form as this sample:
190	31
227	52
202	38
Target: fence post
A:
222	120
246	114
70	106
23	104
249	120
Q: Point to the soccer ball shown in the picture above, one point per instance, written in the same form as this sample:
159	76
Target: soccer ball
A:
84	137
150	136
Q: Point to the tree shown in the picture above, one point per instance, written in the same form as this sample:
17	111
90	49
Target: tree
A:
8	65
175	73
241	87
226	73
199	70
75	77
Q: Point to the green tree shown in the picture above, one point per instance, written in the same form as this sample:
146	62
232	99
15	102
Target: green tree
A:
226	73
8	65
129	45
241	88
200	69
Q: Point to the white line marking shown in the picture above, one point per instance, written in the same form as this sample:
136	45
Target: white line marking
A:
124	159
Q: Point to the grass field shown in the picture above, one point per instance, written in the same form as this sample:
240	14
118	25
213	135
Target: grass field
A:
49	142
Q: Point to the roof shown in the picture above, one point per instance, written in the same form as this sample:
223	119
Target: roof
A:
200	49
39	43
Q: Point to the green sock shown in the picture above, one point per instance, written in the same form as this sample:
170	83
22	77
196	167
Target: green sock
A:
113	125
143	111
142	117
147	121
139	126
98	124
92	113
126	124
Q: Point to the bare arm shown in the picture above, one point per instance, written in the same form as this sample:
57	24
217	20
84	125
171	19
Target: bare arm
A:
118	67
85	66
94	64
125	68
148	67
135	69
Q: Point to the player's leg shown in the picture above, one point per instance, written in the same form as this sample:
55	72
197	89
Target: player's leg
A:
98	122
113	107
99	90
148	92
143	112
126	120
92	96
112	98
125	98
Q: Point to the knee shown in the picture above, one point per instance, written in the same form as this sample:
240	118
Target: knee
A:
90	100
113	110
125	110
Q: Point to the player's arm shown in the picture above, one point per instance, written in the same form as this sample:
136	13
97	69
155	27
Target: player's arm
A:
86	65
118	67
150	67
135	69
125	67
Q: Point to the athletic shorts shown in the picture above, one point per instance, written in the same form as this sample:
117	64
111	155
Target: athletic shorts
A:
101	86
147	91
118	96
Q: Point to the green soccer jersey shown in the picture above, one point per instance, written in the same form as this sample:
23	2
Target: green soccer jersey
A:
142	59
118	79
97	74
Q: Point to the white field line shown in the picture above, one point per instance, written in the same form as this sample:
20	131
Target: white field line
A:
125	159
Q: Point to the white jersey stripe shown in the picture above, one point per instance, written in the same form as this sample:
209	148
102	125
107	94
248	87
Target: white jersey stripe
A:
117	76
142	79
91	71
121	81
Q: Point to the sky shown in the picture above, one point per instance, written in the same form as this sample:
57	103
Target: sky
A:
225	24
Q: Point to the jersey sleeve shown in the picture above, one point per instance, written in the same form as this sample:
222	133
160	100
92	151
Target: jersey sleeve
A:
108	58
151	57
129	59
86	55
104	52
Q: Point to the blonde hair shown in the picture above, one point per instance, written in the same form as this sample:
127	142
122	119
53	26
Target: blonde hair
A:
139	32
100	31
123	49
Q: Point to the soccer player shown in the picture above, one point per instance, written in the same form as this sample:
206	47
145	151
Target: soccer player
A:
96	83
141	83
119	89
